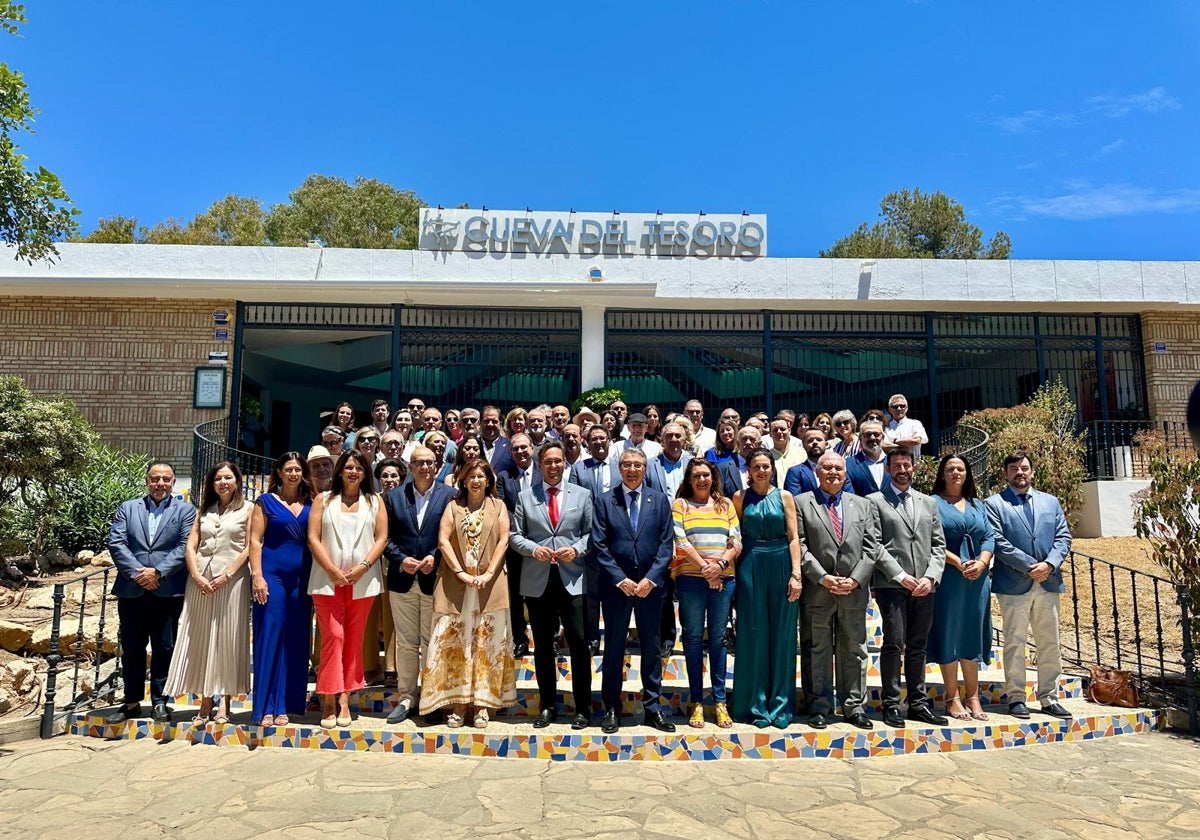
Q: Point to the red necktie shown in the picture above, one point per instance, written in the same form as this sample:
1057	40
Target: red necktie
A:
553	491
835	519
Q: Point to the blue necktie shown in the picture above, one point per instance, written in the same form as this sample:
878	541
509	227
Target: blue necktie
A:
633	510
1027	508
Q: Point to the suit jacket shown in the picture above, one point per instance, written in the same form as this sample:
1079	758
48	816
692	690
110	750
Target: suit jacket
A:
585	476
801	479
407	539
855	556
621	553
658	466
531	528
1018	548
132	550
502	459
731	477
916	548
858	474
508	485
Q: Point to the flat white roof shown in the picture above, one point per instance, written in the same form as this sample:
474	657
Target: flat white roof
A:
260	274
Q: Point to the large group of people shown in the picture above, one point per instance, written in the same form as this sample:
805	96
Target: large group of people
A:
435	546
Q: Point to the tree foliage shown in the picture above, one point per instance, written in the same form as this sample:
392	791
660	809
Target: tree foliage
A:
920	225
597	399
35	210
1166	513
1045	429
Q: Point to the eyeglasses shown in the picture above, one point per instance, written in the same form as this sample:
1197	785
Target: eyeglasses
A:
636	465
845	422
368	439
391	443
874	416
424	462
470	420
898	405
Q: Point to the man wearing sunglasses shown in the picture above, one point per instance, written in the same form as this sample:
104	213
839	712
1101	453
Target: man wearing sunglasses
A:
903	432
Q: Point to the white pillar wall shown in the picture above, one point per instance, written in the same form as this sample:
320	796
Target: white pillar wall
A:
591	367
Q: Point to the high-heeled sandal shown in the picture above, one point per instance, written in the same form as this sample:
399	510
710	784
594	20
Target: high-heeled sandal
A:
696	721
973	714
724	721
961	714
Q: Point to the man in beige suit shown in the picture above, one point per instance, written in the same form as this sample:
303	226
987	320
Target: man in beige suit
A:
911	559
841	541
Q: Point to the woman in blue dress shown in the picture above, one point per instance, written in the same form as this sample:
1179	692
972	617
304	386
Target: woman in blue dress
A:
281	617
961	636
766	595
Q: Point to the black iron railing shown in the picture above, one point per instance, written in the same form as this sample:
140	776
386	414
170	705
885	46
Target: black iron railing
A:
1112	450
210	446
1136	621
83	653
970	444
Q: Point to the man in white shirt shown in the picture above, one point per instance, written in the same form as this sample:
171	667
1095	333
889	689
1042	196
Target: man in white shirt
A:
903	432
636	426
704	438
785	453
535	425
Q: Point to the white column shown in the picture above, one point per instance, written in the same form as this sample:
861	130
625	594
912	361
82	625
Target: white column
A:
591	369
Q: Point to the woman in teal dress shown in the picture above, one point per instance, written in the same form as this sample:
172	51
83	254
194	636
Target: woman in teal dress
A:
961	636
766	596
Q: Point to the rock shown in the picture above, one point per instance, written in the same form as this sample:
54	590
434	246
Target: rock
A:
102	559
13	636
6	703
21	683
59	558
23	562
14	573
40	643
43	598
84	557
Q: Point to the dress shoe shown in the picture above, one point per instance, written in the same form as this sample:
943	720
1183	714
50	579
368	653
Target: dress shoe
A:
521	648
544	718
1055	709
610	723
161	713
668	648
893	718
924	714
133	710
659	721
818	721
860	720
580	721
1018	710
400	713
594	647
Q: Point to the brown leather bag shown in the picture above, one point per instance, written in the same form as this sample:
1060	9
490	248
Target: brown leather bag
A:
1112	687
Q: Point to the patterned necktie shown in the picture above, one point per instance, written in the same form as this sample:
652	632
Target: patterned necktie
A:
553	491
1026	508
906	506
834	518
633	510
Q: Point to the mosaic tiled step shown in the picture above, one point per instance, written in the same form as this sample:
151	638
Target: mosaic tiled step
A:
638	743
675	694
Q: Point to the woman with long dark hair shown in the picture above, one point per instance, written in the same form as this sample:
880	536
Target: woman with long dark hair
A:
279	565
961	635
212	650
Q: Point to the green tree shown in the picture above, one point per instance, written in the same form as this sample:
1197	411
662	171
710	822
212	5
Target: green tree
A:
234	220
920	225
35	210
365	214
113	230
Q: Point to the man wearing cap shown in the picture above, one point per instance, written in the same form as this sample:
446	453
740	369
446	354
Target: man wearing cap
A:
636	426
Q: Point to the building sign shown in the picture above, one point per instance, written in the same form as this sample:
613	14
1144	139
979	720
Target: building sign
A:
590	234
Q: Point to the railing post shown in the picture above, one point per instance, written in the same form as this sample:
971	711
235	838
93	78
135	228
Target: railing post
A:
1189	657
52	660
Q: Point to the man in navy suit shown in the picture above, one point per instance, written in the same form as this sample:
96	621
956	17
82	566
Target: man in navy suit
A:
802	478
497	449
633	534
595	475
522	475
147	542
733	471
866	471
1032	541
414	511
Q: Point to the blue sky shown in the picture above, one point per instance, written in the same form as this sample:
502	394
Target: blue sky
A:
1072	126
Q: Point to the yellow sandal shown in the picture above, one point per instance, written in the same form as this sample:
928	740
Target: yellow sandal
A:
696	721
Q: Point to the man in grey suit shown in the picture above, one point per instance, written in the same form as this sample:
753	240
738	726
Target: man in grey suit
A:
841	542
1032	541
147	542
907	571
552	525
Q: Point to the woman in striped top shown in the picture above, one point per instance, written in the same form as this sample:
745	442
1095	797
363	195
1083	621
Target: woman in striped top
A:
707	540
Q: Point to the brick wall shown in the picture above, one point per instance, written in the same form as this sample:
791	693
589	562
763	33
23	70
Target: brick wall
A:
128	363
1170	376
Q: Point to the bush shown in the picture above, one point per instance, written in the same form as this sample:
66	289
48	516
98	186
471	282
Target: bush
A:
1045	429
1166	513
91	497
597	399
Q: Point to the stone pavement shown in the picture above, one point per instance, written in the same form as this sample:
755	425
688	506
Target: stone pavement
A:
74	788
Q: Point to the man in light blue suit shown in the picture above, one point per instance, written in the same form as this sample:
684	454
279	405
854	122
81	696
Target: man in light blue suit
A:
1032	541
866	471
552	526
147	542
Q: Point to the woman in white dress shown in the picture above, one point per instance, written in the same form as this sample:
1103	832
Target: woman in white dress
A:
347	532
212	651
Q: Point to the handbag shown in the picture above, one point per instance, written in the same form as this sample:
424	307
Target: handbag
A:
1112	687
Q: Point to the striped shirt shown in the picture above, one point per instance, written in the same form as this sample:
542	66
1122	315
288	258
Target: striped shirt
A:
709	532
